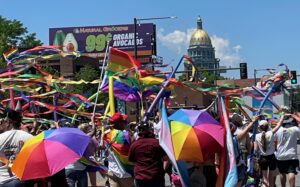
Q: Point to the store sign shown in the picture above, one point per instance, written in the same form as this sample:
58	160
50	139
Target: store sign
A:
91	40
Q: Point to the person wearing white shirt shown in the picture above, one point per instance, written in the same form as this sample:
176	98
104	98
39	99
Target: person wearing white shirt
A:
286	153
11	142
265	146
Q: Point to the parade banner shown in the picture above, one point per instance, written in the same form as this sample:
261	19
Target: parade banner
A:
91	41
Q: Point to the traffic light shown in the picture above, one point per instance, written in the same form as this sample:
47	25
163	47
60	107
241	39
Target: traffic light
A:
293	77
243	71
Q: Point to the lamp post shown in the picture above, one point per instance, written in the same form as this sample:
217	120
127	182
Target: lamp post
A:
136	20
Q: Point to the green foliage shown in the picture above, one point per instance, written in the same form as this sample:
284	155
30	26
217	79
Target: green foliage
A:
14	34
88	73
29	41
297	93
182	77
211	77
296	99
50	70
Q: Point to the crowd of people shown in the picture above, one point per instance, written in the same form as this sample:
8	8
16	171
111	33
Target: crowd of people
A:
273	147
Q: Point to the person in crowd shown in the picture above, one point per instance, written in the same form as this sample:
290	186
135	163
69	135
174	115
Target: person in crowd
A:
148	158
117	175
11	142
240	161
245	144
286	153
76	173
265	147
2	126
91	150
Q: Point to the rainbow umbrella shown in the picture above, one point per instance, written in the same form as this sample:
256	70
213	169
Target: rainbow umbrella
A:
49	152
196	135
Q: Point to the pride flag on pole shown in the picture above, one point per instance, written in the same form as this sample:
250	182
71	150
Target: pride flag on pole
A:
165	141
12	53
230	168
124	68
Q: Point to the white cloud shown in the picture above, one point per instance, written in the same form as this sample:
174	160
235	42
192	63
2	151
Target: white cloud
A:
176	40
179	40
228	55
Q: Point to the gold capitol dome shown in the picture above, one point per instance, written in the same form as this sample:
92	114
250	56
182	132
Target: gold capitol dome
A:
200	37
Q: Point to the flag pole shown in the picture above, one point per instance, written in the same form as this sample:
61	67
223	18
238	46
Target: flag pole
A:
11	90
161	92
263	95
100	79
55	105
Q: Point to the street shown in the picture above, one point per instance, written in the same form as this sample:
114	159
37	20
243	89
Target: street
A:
101	181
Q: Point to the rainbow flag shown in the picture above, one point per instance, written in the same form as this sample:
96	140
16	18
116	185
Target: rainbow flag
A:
94	166
121	151
125	70
120	144
132	83
9	55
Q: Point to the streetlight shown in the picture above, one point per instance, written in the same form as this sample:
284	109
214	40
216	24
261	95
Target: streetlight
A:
135	20
256	70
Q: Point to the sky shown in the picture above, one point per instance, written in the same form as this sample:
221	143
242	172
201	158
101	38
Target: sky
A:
261	33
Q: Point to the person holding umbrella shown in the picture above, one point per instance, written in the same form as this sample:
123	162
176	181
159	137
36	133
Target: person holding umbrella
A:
11	142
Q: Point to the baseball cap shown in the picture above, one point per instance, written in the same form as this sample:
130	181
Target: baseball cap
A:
263	122
118	117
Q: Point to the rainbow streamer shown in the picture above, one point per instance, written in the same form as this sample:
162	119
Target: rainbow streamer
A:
12	53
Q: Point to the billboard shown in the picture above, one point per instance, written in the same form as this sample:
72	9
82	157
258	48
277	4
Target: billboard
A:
92	40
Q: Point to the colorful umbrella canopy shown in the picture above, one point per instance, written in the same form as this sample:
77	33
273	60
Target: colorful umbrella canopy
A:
49	152
196	135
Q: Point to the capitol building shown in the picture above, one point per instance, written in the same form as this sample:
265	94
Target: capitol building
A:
202	51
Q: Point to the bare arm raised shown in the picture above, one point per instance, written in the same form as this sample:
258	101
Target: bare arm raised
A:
247	128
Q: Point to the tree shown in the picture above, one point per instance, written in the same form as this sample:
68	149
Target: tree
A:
89	74
86	73
14	34
210	77
295	94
